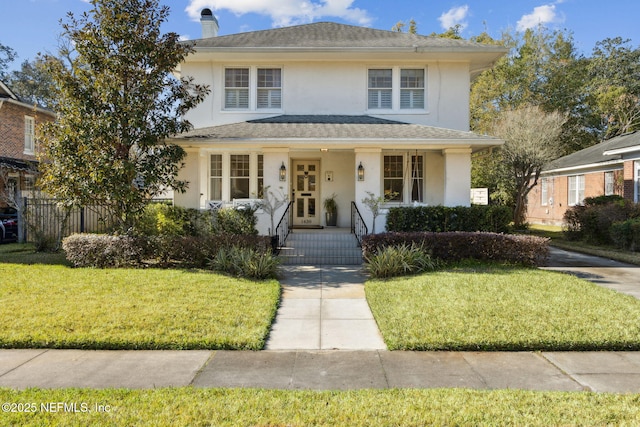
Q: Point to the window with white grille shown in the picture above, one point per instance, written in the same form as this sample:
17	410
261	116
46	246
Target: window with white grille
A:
29	135
412	89
380	88
269	92
576	190
609	186
236	88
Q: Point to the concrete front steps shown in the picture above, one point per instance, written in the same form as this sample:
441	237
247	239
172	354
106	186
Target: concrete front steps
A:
321	247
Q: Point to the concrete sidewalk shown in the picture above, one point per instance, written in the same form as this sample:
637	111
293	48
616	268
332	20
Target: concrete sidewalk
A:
322	370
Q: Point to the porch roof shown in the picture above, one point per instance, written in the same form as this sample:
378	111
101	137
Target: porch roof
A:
336	128
18	165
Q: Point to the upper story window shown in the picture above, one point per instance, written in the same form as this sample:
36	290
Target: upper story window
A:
236	88
29	135
396	88
380	88
269	88
412	88
576	190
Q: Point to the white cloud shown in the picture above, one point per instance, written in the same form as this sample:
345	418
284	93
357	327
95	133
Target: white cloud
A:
285	12
455	16
545	14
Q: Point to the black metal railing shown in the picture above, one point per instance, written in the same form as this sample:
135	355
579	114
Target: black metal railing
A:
358	226
284	226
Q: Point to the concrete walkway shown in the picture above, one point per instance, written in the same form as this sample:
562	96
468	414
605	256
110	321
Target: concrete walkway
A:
324	308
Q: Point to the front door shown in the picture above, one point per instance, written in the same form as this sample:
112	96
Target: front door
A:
306	182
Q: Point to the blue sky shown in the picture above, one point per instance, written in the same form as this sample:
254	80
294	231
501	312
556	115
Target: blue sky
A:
31	26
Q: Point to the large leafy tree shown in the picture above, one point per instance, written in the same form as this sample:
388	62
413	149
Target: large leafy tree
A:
531	140
614	81
32	83
118	101
7	56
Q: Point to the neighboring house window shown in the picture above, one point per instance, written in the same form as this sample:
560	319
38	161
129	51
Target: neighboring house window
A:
215	192
576	190
609	187
380	88
544	192
393	178
29	135
412	88
239	176
236	88
269	88
417	179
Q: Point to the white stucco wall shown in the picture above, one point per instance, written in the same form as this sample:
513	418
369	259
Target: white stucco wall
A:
338	88
190	173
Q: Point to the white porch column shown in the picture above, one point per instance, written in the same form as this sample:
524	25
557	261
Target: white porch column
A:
457	176
370	160
273	160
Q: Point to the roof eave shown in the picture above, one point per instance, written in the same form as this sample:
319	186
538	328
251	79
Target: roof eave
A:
624	150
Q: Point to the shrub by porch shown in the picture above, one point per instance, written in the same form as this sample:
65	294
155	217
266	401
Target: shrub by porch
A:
443	218
457	246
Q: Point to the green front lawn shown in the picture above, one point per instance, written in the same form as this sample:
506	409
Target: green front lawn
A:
247	407
55	306
502	308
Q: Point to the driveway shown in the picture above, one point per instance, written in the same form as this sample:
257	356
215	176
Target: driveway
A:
624	278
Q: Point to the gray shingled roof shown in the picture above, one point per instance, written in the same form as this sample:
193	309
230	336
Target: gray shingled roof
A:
330	127
333	35
595	154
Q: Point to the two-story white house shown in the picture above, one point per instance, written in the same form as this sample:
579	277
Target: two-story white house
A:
325	108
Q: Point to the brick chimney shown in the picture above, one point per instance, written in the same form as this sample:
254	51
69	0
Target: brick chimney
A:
209	24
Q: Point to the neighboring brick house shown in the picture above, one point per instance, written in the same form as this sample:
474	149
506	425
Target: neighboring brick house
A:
18	147
611	167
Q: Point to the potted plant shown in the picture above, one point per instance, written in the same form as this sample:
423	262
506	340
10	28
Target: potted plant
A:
331	210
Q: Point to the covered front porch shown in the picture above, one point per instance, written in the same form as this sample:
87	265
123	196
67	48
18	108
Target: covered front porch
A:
307	160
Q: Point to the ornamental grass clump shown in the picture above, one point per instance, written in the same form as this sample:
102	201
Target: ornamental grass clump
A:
399	260
245	262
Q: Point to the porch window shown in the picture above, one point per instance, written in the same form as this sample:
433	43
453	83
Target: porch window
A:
412	89
215	191
417	179
260	176
29	135
239	176
609	187
269	88
576	190
236	88
380	88
393	178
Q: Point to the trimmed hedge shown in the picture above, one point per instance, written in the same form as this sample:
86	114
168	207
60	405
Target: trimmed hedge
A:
592	221
103	251
457	246
626	234
442	218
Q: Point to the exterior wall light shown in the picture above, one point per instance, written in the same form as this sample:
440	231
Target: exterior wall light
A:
283	172
360	172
